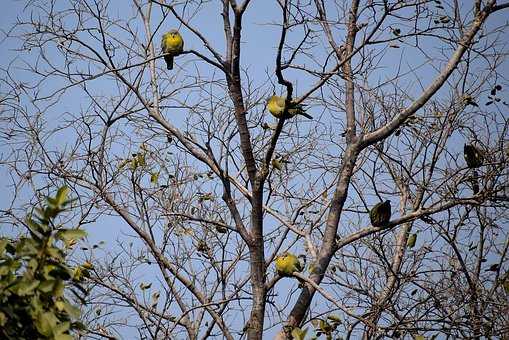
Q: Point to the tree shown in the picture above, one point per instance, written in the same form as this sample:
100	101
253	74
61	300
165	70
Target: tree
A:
34	276
206	188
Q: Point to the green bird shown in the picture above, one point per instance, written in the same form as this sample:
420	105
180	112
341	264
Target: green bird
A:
288	263
380	214
172	44
276	106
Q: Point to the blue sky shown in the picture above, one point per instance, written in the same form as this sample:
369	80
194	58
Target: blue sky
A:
259	47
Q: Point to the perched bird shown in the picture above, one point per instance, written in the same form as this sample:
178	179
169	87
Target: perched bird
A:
276	106
473	156
380	214
288	263
173	44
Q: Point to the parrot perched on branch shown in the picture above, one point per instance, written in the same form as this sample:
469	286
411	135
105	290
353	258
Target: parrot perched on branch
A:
288	263
276	106
172	45
380	214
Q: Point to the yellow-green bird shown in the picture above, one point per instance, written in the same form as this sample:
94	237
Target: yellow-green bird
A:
276	106
288	263
173	44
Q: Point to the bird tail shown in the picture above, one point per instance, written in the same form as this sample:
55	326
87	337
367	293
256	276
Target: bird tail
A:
474	180
303	113
299	109
169	61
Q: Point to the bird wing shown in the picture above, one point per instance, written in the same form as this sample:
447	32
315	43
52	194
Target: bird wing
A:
163	39
280	101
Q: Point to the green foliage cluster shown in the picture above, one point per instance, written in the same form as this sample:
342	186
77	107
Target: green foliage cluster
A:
34	275
321	327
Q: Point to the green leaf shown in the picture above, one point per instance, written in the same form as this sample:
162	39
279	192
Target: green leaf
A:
45	323
24	287
3	319
3	245
87	265
47	286
123	163
411	240
154	176
63	336
10	248
36	307
52	205
77	274
134	164
60	273
73	311
141	160
27	247
36	229
32	265
55	253
315	323
50	212
79	325
70	234
325	326
207	196
59	305
4	269
61	196
58	289
299	334
60	328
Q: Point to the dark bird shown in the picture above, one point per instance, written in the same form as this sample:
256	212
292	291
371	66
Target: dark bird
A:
380	214
473	156
474	159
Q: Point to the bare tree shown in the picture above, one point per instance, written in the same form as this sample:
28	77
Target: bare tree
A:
198	188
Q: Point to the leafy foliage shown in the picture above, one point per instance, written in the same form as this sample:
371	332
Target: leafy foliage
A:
34	276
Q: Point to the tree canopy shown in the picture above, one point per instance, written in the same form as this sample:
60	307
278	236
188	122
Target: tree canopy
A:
190	188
